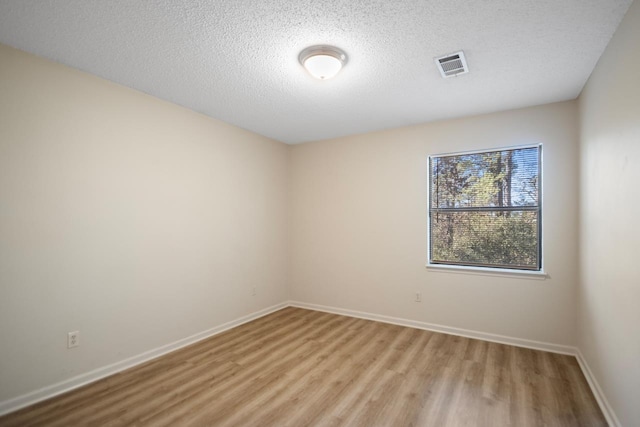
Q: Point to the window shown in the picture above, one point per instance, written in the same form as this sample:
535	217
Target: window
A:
485	209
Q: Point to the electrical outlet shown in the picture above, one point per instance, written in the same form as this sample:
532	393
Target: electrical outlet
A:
253	291
73	339
418	296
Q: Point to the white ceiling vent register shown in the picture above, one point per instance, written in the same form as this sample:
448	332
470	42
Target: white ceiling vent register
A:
452	65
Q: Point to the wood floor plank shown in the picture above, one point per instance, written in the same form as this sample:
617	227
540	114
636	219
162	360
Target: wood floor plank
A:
299	367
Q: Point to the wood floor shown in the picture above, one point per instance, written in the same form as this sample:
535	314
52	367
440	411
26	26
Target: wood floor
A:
299	367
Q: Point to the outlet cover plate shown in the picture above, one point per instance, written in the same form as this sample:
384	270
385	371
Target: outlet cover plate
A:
73	339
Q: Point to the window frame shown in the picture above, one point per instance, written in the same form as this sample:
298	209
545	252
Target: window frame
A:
487	269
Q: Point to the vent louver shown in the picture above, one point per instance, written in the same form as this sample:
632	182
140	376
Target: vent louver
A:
452	65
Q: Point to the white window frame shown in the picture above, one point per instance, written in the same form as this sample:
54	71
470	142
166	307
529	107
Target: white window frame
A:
468	269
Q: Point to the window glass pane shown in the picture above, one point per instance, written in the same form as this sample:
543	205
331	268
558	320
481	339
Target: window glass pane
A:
495	178
499	239
485	210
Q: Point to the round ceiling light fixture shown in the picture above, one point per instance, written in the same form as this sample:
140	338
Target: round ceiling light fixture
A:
323	62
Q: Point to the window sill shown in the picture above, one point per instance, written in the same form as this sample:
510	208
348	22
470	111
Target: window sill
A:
499	272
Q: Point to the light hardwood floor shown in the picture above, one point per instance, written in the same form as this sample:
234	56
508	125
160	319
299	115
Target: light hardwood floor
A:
300	367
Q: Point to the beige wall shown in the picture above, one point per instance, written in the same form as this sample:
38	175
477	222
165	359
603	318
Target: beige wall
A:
133	220
609	296
358	226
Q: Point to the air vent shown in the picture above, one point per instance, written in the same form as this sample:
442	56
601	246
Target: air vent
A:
452	65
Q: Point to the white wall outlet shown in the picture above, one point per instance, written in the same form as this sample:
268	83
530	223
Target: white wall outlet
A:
73	339
253	291
418	296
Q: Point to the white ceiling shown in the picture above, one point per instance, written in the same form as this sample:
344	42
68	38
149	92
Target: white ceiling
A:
236	60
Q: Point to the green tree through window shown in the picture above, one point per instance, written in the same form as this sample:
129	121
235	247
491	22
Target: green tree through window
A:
485	210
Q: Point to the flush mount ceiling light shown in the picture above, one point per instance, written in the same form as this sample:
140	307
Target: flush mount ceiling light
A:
322	62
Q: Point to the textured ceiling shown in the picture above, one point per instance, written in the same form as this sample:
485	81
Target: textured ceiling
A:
236	60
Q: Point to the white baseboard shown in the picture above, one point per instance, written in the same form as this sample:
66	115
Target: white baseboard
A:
50	391
502	339
605	407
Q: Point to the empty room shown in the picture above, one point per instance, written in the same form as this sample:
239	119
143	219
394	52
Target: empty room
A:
320	213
